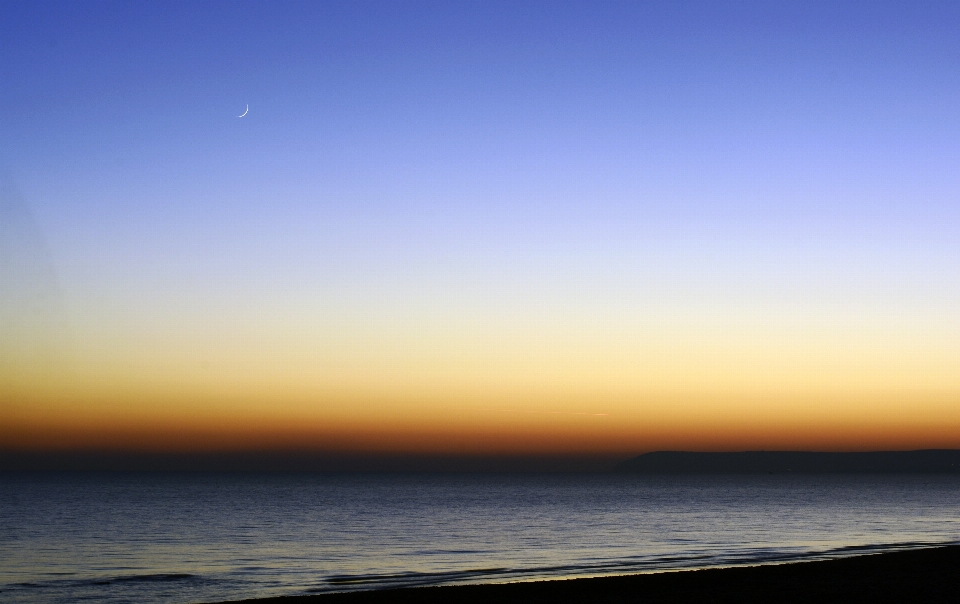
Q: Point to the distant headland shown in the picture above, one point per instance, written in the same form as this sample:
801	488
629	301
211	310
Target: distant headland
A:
928	461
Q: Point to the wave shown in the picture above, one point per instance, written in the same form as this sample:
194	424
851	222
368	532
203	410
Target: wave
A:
377	581
110	580
146	578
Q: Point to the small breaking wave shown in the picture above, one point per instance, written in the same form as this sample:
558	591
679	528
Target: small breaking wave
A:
145	578
110	580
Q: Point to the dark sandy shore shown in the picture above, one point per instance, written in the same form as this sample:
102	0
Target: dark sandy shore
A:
924	575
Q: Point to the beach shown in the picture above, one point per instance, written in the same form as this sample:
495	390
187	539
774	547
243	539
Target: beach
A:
922	575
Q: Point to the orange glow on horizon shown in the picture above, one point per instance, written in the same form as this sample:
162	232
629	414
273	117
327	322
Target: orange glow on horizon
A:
907	422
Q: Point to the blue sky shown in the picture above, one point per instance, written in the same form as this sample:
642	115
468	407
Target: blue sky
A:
711	116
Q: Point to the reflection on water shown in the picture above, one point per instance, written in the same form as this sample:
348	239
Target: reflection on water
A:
189	538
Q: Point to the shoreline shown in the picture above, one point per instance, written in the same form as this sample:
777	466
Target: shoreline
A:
929	574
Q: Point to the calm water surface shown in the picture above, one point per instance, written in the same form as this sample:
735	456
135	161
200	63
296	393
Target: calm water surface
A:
203	538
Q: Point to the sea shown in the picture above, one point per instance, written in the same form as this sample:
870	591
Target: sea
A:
180	538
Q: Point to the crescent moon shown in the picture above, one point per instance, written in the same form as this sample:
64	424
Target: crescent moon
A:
245	112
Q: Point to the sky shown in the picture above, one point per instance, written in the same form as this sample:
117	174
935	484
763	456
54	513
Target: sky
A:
479	228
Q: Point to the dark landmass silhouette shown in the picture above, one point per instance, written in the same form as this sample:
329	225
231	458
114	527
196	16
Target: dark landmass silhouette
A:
931	461
928	461
921	575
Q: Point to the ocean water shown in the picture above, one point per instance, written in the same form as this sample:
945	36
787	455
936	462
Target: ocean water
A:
208	538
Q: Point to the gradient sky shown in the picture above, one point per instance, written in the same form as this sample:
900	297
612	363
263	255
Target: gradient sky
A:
479	228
